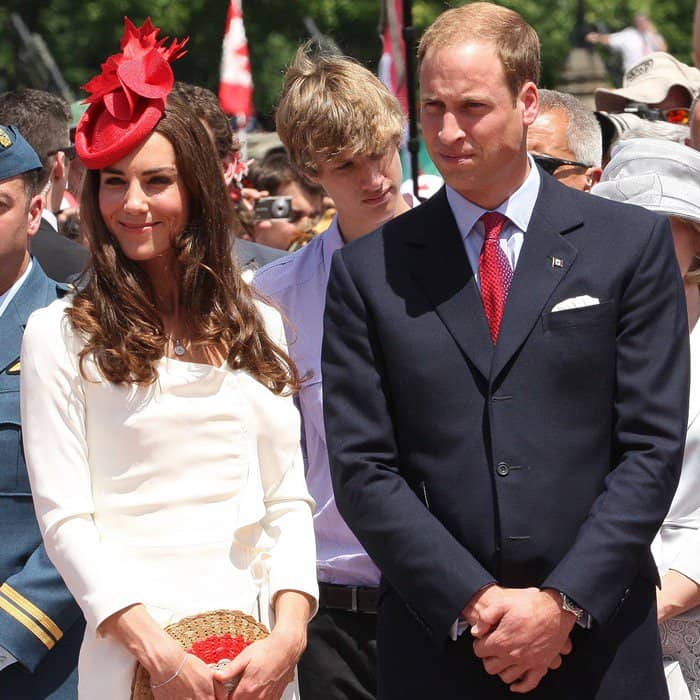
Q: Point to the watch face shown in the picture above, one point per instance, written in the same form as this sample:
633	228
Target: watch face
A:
571	607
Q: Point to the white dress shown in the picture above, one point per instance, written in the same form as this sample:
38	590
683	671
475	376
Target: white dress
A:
186	496
677	547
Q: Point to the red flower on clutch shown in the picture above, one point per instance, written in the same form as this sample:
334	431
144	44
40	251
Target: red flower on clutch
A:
128	98
219	650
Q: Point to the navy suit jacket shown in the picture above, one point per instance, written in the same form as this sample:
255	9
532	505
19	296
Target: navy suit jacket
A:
252	256
62	259
549	460
40	623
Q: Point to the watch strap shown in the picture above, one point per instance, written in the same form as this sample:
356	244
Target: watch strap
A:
583	618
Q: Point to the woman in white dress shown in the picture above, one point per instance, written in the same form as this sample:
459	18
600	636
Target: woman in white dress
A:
665	177
161	438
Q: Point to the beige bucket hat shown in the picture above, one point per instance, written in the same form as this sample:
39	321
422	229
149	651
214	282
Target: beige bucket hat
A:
649	81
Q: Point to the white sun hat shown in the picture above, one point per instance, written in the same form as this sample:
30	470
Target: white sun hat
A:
658	175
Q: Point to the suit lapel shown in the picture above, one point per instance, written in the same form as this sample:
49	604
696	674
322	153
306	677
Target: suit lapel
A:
545	259
442	270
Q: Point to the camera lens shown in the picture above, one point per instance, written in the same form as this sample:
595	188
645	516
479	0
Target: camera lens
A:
279	208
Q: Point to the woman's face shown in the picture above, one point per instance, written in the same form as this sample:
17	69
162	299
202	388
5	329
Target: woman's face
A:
143	200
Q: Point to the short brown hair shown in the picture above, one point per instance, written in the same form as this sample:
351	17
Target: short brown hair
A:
332	104
515	41
42	118
205	104
31	184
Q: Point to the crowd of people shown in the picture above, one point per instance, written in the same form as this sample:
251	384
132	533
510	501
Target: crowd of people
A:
440	448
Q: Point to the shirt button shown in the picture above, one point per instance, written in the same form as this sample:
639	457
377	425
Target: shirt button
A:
503	469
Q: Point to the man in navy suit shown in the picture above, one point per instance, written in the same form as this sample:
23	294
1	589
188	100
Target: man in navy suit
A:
505	387
40	624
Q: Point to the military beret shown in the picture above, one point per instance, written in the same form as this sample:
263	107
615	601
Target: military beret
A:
16	155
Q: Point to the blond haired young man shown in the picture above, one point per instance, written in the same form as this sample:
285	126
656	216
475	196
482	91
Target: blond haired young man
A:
342	129
505	372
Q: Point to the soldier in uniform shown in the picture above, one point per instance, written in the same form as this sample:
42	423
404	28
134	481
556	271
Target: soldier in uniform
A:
40	624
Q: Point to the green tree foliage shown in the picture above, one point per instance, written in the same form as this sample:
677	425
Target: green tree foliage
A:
81	33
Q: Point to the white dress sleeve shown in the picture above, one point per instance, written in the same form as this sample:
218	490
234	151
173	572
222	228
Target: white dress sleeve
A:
687	559
54	415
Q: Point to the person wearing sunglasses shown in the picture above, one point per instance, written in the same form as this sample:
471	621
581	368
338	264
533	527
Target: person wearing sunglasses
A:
676	115
565	140
658	88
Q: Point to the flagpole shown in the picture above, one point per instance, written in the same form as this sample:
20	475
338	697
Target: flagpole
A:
409	37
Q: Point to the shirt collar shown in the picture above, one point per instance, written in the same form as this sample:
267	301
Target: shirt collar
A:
332	241
7	297
50	217
518	207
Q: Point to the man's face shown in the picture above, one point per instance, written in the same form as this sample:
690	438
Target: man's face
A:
547	136
306	210
474	127
19	219
676	97
642	23
366	188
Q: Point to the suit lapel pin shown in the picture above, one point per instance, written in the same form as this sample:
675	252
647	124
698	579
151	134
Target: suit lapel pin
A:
557	262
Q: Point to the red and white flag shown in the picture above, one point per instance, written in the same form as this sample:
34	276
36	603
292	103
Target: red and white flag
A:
392	64
236	85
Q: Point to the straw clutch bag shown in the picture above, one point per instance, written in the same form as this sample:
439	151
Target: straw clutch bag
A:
215	637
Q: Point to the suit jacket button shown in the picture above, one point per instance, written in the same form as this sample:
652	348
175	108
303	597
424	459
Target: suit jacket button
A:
503	469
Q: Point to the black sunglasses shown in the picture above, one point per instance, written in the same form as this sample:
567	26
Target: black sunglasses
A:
68	150
550	164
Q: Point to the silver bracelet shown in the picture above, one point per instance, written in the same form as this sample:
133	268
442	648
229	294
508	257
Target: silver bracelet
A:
173	677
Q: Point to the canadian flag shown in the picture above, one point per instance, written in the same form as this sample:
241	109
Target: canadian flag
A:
392	64
236	85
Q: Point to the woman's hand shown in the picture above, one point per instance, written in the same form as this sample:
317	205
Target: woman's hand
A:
160	655
677	594
264	669
194	681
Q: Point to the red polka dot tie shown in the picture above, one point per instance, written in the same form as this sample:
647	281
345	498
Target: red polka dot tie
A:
495	273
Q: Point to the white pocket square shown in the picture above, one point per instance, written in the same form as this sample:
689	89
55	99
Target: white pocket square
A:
576	303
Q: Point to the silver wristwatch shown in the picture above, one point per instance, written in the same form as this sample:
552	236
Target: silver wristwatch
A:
583	619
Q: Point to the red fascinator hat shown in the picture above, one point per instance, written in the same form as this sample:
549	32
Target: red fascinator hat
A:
128	98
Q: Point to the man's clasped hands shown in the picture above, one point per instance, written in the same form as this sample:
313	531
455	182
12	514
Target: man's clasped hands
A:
520	633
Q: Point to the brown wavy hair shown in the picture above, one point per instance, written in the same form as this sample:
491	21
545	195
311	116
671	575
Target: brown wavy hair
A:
116	311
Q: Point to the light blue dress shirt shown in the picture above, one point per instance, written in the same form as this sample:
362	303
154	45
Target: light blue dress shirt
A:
297	284
9	295
518	208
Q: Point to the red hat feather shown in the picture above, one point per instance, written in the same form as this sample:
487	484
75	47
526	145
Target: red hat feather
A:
128	98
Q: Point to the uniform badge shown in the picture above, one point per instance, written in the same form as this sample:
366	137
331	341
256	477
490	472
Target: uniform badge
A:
5	140
557	262
13	368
